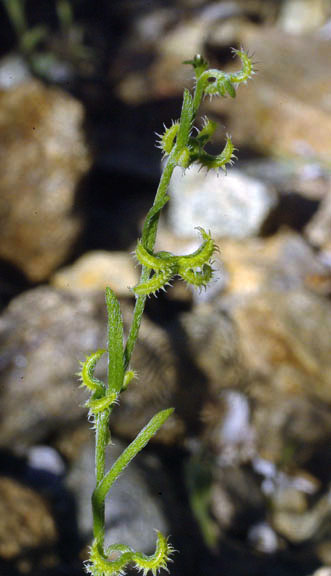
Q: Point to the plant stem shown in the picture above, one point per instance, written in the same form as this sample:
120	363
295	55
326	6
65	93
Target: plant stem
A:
145	272
101	441
102	421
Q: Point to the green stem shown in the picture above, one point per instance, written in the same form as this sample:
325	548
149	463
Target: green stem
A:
198	93
145	272
102	431
101	441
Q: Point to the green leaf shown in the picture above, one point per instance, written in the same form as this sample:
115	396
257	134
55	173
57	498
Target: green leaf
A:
115	344
130	452
64	14
31	38
16	13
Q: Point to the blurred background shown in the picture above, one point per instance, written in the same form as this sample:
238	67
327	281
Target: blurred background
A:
240	477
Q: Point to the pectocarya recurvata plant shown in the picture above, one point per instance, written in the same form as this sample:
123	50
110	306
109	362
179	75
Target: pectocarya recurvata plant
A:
180	148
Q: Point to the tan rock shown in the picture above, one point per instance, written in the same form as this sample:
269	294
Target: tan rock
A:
298	527
286	110
284	344
43	156
282	261
25	520
300	16
96	270
318	231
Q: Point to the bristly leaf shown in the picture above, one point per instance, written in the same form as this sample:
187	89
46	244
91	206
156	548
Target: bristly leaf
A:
115	344
130	452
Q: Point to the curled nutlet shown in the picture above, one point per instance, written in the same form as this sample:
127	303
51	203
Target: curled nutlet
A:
100	564
194	268
86	375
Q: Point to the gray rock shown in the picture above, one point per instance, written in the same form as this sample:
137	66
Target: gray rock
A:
44	333
234	206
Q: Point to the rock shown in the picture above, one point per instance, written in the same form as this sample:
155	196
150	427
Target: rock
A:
44	333
279	263
167	73
45	459
300	17
290	375
235	494
43	157
283	261
26	522
183	32
318	230
309	181
13	71
263	538
324	571
272	348
284	112
276	481
299	526
234	206
207	341
96	271
229	433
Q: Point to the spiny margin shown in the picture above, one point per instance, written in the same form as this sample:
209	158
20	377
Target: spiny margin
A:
167	139
219	161
157	282
100	565
86	374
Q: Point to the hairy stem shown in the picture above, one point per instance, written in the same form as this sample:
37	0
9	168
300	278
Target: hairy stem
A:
149	231
101	441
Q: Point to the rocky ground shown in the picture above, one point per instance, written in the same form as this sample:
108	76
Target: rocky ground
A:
240	476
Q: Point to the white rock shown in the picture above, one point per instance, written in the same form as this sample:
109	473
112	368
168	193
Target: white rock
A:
46	458
233	206
263	538
324	571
